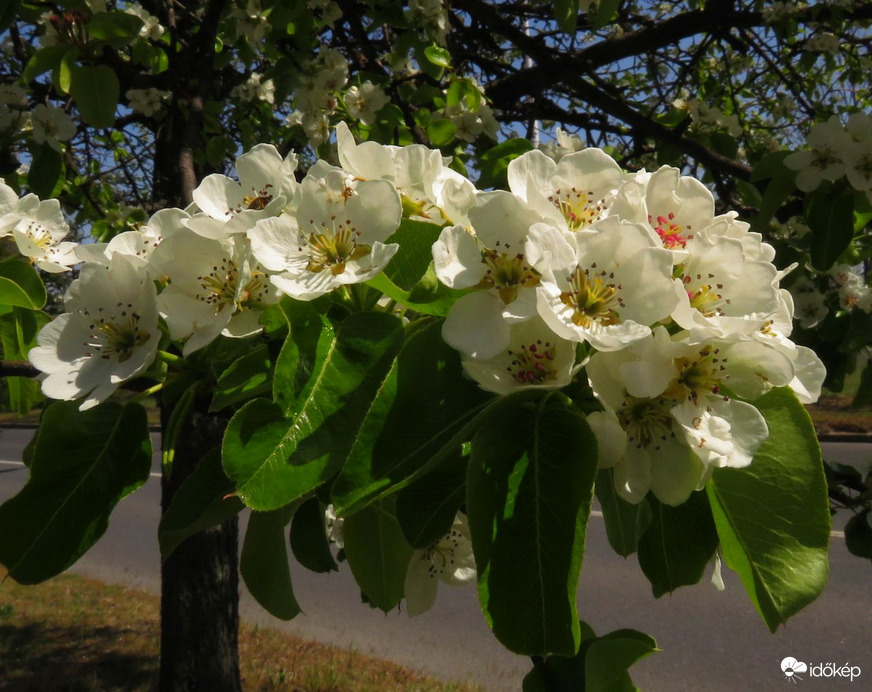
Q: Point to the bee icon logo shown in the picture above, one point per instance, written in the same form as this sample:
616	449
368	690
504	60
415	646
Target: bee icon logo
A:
791	667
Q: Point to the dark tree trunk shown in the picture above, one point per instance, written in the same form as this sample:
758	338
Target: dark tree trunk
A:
200	580
199	586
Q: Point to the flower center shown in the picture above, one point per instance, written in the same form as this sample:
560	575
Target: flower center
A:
592	298
703	374
705	297
533	363
646	421
580	209
442	556
40	235
219	285
669	231
257	200
507	273
117	336
332	249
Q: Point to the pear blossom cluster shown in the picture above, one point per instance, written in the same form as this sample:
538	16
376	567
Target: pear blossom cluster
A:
843	286
835	151
673	313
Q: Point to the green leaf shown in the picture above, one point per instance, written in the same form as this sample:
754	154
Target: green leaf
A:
832	227
424	404
494	163
427	507
18	330
415	255
83	463
438	56
203	500
529	491
64	71
566	14
603	12
677	546
769	166
624	521
44	60
118	28
777	191
773	517
429	296
377	553
441	132
247	377
599	666
47	172
96	89
20	285
309	541
264	563
608	658
275	456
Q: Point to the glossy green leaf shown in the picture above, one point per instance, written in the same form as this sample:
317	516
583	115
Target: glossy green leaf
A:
428	297
27	289
438	56
247	377
203	500
377	553
773	517
83	463
276	456
678	544
263	563
415	255
624	521
47	171
309	541
411	425
65	70
96	90
831	221
529	491
427	507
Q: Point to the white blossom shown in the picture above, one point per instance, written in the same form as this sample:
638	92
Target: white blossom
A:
335	238
449	560
107	334
364	102
51	125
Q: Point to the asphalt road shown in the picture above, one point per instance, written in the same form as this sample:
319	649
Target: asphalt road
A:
709	640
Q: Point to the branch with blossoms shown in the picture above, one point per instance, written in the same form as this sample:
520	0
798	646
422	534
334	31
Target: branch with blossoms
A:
443	377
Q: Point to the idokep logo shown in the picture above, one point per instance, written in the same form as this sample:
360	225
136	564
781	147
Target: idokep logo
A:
796	670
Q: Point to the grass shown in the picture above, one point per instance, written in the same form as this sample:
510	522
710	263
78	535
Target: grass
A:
80	635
